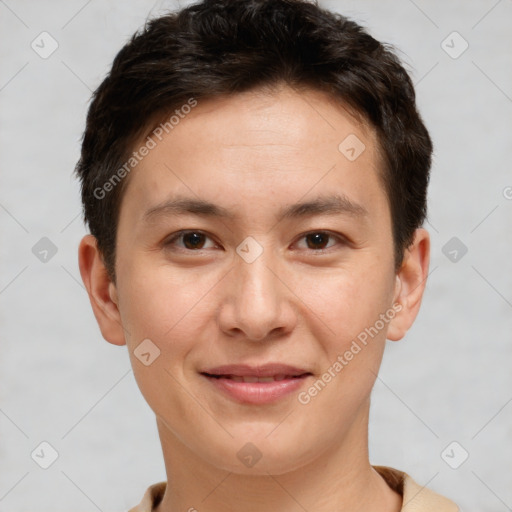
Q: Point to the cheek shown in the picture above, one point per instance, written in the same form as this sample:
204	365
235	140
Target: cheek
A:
167	307
345	301
171	313
349	328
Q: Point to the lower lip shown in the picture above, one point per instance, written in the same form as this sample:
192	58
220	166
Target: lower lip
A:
257	392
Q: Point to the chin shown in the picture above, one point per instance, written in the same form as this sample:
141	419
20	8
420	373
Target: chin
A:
261	456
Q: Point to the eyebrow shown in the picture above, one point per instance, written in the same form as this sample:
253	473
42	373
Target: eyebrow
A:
324	205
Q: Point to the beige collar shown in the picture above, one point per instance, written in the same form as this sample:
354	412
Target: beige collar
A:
415	497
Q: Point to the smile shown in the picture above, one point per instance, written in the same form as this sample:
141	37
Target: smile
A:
256	385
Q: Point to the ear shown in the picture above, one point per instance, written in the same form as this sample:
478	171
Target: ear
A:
102	291
410	284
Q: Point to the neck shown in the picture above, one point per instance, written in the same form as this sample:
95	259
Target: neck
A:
341	479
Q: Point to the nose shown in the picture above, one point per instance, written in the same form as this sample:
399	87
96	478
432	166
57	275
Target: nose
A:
257	304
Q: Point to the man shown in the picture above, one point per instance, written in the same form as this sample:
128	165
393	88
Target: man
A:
254	175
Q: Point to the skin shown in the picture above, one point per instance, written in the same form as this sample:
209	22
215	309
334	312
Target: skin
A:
254	153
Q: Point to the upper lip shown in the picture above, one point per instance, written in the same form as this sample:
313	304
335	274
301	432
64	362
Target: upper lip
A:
266	370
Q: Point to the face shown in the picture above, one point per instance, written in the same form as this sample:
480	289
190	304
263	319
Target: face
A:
254	234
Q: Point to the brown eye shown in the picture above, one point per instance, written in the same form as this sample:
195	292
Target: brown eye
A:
190	240
193	240
319	241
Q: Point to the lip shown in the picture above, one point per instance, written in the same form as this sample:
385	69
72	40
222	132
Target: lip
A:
257	393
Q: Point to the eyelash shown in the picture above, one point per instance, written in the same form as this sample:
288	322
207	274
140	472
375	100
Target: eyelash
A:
341	240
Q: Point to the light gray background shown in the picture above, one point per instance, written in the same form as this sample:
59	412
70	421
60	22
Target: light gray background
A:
449	380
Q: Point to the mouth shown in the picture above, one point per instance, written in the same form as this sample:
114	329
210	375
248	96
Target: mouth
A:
256	385
252	378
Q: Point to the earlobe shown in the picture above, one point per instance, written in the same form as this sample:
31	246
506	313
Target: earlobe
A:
101	290
410	284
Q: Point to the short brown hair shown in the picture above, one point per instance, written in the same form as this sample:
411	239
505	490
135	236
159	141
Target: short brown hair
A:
219	47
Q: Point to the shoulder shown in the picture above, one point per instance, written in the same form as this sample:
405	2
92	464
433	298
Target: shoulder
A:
415	497
154	493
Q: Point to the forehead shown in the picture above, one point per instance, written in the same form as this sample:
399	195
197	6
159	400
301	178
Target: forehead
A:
258	148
